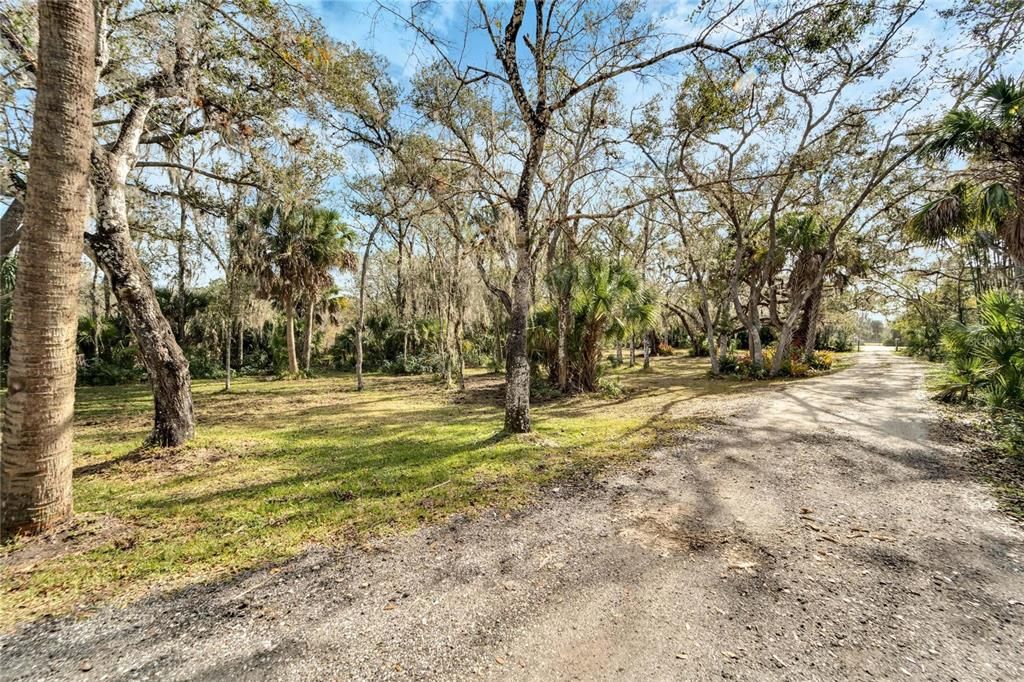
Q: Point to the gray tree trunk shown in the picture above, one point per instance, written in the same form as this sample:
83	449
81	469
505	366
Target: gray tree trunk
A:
517	362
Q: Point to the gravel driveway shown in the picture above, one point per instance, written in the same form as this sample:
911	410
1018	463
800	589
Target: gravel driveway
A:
815	532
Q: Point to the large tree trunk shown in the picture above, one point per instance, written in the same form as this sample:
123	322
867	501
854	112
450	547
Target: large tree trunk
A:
517	361
173	418
289	334
166	365
35	466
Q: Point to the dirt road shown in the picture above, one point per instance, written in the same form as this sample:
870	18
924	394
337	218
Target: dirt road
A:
815	532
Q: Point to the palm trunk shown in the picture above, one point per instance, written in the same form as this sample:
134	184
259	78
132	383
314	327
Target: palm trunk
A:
35	466
809	326
647	350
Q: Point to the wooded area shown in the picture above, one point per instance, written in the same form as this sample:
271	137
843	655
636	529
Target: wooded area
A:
300	262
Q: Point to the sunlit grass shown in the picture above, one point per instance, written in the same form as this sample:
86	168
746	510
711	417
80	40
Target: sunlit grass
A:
277	465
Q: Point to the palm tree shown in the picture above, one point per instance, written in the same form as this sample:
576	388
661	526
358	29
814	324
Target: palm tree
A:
610	301
35	466
292	253
988	357
991	138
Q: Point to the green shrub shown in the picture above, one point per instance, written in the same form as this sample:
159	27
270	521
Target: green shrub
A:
101	372
986	360
610	387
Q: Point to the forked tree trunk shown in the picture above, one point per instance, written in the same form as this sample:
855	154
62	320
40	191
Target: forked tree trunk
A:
35	466
809	325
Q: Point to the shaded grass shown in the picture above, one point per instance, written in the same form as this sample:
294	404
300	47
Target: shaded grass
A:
277	465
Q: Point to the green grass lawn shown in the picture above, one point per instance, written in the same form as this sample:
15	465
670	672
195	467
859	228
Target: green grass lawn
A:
277	465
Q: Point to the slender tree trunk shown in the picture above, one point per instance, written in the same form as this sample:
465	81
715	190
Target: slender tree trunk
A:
307	336
289	333
227	356
460	366
361	323
181	314
564	305
241	344
35	464
94	301
517	361
632	351
405	349
647	350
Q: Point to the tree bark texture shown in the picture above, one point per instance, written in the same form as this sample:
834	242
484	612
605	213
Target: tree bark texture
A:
35	463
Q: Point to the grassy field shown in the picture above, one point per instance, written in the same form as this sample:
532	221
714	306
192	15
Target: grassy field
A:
277	465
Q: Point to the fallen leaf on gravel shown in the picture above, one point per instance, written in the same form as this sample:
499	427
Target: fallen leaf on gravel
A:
729	654
389	606
681	656
805	510
86	666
